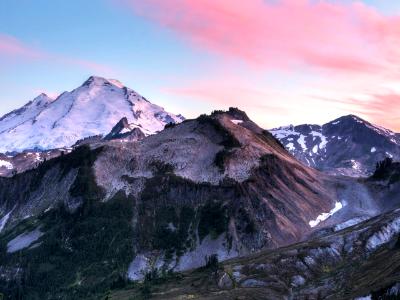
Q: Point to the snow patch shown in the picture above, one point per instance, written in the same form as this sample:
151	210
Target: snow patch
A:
324	216
323	139
373	150
290	147
364	298
389	154
24	240
394	290
283	132
355	165
4	220
384	235
302	142
350	223
208	247
237	121
6	164
138	267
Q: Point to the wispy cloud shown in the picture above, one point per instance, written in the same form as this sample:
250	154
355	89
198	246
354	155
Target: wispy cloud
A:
12	47
346	49
384	109
15	50
283	34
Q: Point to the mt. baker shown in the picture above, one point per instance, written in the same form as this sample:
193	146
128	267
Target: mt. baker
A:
91	109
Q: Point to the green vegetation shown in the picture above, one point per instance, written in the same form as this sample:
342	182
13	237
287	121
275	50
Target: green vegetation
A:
82	254
171	230
220	158
82	156
387	170
213	220
229	141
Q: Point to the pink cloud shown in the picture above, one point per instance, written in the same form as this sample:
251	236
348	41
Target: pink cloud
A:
282	34
383	109
12	48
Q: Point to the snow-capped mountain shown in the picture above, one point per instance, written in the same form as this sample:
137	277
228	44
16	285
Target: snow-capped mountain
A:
348	145
90	110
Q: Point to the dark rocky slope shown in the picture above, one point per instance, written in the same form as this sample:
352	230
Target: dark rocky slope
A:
81	223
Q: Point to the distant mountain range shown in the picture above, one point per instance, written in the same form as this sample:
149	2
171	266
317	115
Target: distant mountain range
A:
89	110
105	108
348	145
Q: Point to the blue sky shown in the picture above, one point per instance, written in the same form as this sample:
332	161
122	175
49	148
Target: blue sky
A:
71	40
130	48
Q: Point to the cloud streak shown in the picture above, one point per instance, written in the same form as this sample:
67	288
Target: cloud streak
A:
347	50
12	49
282	34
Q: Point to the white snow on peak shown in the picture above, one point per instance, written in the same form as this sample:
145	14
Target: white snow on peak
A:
116	83
291	147
358	120
324	216
91	109
284	131
323	139
302	141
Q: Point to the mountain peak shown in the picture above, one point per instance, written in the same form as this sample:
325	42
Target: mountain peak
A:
92	109
350	118
238	114
42	99
101	81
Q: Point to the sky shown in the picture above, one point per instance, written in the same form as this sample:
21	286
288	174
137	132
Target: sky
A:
282	61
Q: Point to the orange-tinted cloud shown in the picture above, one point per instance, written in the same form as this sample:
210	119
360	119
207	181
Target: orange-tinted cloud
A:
283	34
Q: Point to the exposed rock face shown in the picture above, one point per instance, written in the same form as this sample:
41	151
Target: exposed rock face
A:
123	130
347	146
218	184
225	173
357	262
19	162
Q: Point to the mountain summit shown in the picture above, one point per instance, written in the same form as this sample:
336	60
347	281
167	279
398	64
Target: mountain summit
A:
91	109
348	145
